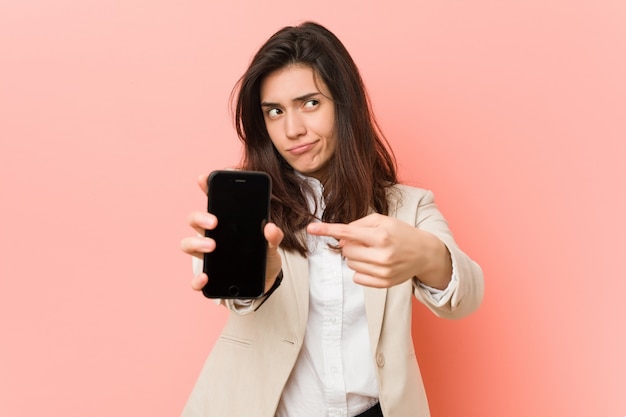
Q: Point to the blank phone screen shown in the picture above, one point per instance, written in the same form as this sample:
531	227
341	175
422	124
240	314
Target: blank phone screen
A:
240	201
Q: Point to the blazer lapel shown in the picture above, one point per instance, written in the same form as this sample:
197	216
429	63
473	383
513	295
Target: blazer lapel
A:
298	268
375	299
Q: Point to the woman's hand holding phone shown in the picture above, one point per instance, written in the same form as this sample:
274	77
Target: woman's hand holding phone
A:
198	245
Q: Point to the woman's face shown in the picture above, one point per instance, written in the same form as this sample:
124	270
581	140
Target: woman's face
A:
300	118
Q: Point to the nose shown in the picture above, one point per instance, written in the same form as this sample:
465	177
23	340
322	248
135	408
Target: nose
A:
294	125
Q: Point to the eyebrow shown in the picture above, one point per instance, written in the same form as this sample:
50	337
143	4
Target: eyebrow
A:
304	97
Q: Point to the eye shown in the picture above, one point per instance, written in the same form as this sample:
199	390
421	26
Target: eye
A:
273	113
310	104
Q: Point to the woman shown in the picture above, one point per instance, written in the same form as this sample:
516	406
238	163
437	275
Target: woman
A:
352	245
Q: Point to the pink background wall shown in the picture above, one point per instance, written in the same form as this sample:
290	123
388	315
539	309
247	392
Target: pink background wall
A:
512	112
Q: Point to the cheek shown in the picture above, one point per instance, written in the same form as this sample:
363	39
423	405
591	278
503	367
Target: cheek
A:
273	133
278	144
327	122
330	134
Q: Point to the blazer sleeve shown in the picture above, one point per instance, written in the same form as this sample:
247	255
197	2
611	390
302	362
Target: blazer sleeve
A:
468	291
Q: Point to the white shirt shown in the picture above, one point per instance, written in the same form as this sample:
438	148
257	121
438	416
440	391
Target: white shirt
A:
335	373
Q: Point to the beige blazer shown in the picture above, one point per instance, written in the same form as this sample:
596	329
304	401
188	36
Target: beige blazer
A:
253	358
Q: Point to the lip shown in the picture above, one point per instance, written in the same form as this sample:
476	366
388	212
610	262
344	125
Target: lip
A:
302	148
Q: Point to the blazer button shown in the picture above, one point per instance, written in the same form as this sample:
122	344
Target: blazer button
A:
380	359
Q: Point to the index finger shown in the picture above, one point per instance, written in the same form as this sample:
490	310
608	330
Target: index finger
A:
340	231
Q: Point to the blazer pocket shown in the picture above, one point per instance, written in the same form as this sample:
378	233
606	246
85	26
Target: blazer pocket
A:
244	343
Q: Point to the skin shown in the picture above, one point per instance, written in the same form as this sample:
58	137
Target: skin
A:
199	245
299	115
383	251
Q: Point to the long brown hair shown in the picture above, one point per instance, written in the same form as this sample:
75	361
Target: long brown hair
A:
363	166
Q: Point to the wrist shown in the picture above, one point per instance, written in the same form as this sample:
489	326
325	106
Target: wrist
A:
437	270
274	287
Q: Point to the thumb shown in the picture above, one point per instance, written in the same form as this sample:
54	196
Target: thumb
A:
202	183
274	236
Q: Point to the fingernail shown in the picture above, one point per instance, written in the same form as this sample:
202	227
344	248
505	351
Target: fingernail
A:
208	243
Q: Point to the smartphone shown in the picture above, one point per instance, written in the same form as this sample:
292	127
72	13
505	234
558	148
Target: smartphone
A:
241	202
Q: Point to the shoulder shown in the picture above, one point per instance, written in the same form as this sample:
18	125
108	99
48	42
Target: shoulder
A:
402	194
411	204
